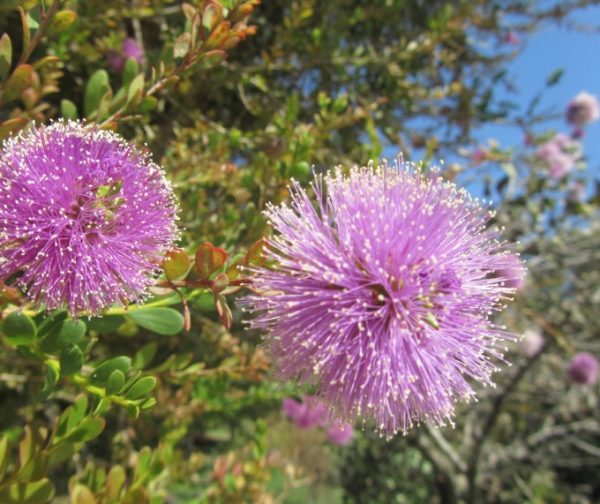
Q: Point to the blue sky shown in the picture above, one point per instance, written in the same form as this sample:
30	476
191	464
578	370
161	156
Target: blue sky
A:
546	50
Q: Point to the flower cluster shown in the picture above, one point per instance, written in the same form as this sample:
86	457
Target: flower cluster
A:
532	342
583	109
84	217
129	49
584	368
380	294
560	154
312	413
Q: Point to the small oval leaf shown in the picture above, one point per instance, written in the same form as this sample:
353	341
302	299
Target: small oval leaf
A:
96	89
68	109
19	329
18	82
106	368
71	360
5	55
176	263
165	321
61	21
141	388
115	382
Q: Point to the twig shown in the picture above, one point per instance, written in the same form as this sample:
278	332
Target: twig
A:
443	444
46	17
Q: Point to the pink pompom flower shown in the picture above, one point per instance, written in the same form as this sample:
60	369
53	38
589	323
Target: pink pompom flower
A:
85	217
378	292
583	368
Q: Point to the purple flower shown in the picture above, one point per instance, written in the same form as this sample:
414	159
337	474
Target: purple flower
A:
560	155
583	369
340	433
512	38
84	217
380	296
532	342
583	109
306	414
129	49
513	272
478	156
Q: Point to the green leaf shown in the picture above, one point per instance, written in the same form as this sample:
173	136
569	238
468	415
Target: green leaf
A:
60	453
133	410
176	263
115	481
115	382
96	89
130	70
50	378
107	324
149	103
69	332
300	170
32	442
205	302
256	253
143	465
4	456
5	56
135	91
68	109
555	77
148	403
80	494
34	469
61	21
144	356
141	388
212	16
87	430
102	372
71	360
26	30
71	417
223	310
37	492
19	329
102	407
165	321
12	126
18	82
46	324
33	24
209	259
182	45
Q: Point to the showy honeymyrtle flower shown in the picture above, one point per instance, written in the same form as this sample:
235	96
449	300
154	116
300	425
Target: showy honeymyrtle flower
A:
583	368
583	109
532	342
340	433
512	38
85	218
306	414
129	49
560	155
478	156
513	272
378	292
311	412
